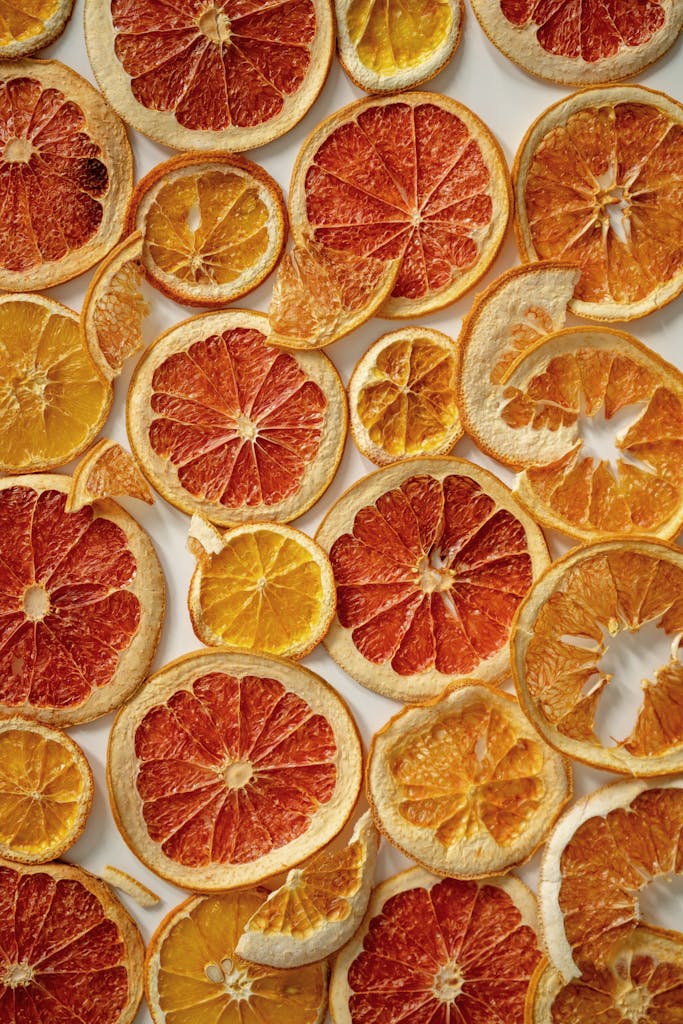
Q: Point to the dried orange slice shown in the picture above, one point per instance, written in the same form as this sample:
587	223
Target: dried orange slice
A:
595	182
192	973
564	629
216	74
107	471
46	791
402	398
233	428
27	26
463	784
67	172
318	908
213	227
81	603
417	178
228	768
431	559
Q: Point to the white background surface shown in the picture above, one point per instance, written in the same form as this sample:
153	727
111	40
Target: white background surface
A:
508	100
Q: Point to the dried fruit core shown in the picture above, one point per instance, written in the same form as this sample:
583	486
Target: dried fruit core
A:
17	975
18	151
448	982
36	602
215	25
238	774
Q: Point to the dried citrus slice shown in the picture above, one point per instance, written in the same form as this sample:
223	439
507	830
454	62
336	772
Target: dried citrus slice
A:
463	784
417	178
233	428
439	950
596	183
27	25
563	630
68	949
81	603
46	791
215	74
213	227
107	471
193	975
67	173
402	398
228	768
431	558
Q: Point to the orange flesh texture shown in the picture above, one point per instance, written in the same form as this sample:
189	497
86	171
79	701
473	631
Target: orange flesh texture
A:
118	316
431	575
24	19
629	154
115	472
389	36
536	322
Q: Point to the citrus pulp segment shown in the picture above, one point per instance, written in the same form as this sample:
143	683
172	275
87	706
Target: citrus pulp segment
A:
210	74
225	425
106	471
417	178
431	559
463	784
81	603
27	26
596	181
66	173
228	768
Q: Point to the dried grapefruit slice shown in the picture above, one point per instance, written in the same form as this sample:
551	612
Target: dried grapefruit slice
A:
27	25
463	785
212	74
431	559
564	629
107	471
233	428
81	603
596	183
66	169
228	768
417	178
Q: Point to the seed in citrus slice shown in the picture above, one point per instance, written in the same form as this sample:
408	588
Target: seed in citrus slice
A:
68	949
463	784
402	398
143	896
66	169
417	178
318	908
46	791
228	768
213	227
27	25
597	180
81	603
233	428
193	975
215	74
439	949
107	471
431	558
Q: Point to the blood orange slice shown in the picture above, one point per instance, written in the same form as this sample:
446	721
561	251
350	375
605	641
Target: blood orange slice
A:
431	559
81	603
228	768
27	26
107	471
417	178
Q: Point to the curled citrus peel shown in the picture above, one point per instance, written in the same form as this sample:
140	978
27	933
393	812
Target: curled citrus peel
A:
143	896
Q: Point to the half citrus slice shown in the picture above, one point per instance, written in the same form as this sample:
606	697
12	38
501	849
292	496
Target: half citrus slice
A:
107	471
27	26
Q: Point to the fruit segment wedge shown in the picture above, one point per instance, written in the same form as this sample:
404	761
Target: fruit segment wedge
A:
27	25
107	471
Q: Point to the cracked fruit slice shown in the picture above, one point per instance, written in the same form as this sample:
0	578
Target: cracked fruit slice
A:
228	768
596	183
417	178
431	558
107	471
27	26
463	784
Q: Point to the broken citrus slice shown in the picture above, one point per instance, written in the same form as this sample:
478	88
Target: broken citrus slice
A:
431	558
233	428
107	471
463	784
228	768
596	183
27	25
417	178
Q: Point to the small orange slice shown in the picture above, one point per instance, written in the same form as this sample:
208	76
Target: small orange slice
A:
107	471
30	25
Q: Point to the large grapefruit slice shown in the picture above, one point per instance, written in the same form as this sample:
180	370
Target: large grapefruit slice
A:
30	25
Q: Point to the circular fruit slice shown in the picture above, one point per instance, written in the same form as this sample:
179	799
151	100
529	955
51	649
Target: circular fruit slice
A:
69	950
213	227
441	950
417	178
463	785
192	973
233	428
28	26
107	471
66	169
563	630
431	558
402	396
213	74
595	182
228	768
46	791
81	603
